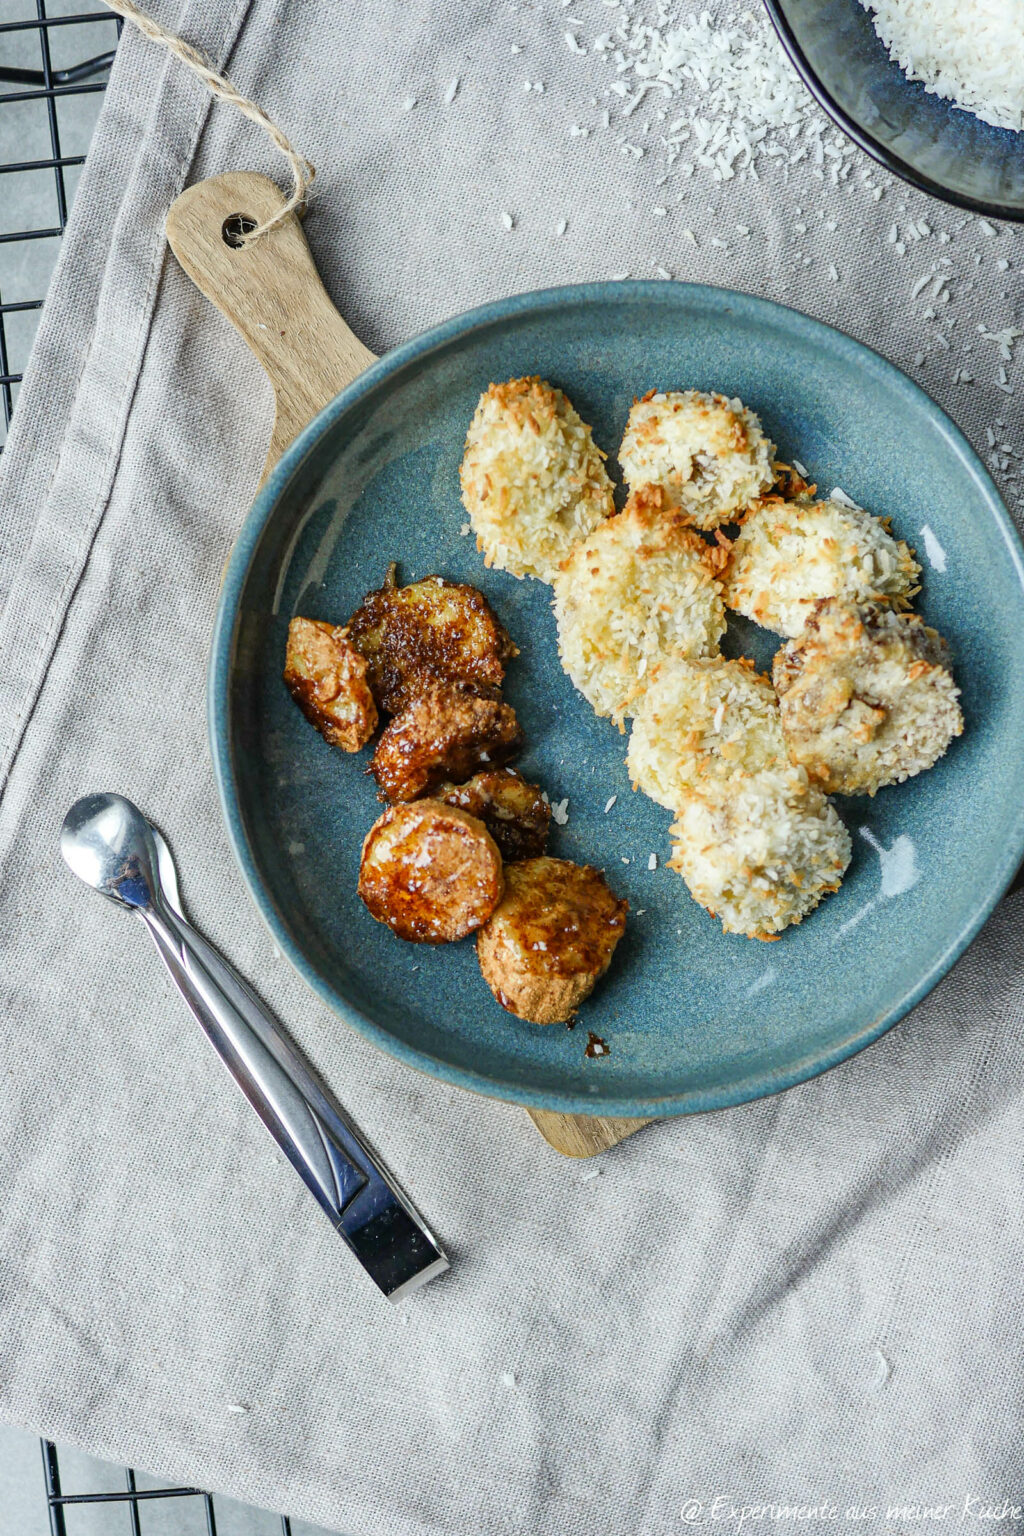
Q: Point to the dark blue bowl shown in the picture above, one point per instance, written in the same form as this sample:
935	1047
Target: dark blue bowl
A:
950	154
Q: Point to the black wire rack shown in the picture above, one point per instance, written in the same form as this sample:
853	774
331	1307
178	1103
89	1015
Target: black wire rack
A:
46	84
49	84
131	1498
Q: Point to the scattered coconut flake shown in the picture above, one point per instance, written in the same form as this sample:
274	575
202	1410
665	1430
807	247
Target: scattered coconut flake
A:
838	494
1004	339
508	1378
507	219
801	471
562	226
560	811
652	862
573	43
722	89
611	801
409	103
237	1408
452	91
881	1370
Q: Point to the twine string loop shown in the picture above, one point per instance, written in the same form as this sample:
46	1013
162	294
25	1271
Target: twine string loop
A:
222	88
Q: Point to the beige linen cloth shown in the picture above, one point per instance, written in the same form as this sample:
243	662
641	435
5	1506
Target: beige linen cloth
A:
816	1300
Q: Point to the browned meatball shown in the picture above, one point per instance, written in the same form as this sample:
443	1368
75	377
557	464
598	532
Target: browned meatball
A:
515	813
550	939
433	630
327	680
431	872
445	734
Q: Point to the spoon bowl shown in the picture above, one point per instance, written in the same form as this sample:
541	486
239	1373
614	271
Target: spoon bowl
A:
107	842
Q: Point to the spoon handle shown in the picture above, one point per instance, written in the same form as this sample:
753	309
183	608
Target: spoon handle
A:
373	1216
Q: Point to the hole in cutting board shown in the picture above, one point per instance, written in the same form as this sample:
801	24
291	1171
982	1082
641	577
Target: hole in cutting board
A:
234	229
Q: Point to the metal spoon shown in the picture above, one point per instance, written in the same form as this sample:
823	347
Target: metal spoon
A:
110	845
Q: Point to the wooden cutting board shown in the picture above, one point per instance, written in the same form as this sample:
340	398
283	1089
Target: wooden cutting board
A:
272	294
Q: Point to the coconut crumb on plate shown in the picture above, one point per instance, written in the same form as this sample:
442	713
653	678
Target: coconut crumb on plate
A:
641	588
533	481
788	554
708	454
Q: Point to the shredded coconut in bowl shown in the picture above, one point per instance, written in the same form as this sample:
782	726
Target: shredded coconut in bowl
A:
971	54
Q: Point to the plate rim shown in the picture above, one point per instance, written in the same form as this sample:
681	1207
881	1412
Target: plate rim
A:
754	1086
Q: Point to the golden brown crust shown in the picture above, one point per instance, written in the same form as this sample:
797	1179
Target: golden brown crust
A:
550	939
790	484
431	872
533	481
432	630
709	454
445	734
326	677
789	554
639	590
515	813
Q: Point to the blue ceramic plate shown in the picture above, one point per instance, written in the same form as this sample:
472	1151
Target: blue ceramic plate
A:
694	1019
928	141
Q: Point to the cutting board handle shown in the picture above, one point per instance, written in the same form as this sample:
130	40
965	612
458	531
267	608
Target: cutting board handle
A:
272	294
